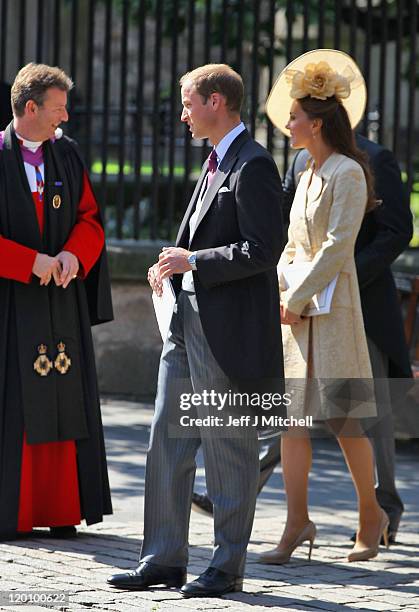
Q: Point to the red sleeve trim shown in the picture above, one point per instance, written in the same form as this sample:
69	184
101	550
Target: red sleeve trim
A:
87	236
16	260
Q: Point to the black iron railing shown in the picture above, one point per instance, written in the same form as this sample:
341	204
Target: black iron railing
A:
126	57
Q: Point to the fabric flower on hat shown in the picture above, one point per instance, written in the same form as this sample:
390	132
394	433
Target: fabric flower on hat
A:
319	81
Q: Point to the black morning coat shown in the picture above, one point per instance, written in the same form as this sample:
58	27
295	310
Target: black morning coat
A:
385	233
238	239
56	407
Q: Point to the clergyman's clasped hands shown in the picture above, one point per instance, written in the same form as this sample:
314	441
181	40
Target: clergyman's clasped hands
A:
63	268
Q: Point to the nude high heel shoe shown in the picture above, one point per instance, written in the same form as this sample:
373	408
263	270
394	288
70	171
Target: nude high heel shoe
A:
277	557
363	554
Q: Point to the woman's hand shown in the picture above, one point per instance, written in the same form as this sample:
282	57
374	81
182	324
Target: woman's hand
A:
288	317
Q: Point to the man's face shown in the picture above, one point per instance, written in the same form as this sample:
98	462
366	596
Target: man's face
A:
48	116
199	115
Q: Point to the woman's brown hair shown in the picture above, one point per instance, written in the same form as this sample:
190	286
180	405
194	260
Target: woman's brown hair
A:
337	133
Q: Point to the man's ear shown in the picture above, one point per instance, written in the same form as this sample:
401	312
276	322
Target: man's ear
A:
31	107
216	100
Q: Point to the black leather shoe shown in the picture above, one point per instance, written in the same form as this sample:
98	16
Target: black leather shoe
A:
66	531
202	504
391	537
213	583
149	574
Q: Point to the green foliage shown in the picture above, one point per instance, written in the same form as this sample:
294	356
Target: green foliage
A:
218	31
414	205
218	25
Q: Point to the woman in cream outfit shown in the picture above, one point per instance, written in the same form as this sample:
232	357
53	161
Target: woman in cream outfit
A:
325	356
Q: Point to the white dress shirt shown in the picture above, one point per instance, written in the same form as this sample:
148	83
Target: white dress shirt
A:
221	149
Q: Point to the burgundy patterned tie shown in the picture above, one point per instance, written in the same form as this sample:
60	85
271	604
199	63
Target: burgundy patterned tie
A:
212	167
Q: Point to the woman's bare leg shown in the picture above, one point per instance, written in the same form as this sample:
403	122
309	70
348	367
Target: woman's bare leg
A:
296	463
359	458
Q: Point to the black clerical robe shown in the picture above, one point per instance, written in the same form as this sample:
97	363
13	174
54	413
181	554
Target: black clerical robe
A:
60	406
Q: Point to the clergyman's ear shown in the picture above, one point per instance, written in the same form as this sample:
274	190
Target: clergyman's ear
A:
30	107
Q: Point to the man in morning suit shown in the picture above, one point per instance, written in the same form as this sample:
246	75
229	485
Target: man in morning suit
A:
225	329
384	234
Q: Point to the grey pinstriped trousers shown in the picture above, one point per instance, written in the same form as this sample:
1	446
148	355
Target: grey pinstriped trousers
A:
231	463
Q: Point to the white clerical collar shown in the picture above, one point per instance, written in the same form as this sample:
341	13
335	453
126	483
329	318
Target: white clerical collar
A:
34	146
29	144
224	144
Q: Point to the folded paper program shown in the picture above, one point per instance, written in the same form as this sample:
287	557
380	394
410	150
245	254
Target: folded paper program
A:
321	302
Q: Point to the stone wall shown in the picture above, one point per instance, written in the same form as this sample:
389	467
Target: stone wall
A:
128	349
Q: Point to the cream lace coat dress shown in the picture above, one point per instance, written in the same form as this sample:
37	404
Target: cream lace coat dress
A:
326	358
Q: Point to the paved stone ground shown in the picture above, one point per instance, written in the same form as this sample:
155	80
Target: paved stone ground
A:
79	567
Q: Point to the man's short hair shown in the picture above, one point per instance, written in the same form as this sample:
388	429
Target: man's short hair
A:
217	78
32	82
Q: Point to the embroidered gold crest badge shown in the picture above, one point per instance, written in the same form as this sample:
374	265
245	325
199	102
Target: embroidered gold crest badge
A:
42	365
62	361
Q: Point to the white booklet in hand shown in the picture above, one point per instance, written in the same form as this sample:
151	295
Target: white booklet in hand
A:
163	307
321	302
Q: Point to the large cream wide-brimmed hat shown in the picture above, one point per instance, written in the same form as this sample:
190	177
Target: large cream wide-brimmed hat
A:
320	73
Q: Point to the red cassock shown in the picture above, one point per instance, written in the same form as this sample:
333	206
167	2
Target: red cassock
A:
49	488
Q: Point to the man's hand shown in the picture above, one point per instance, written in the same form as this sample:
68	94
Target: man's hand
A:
173	260
45	267
69	268
154	279
288	317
